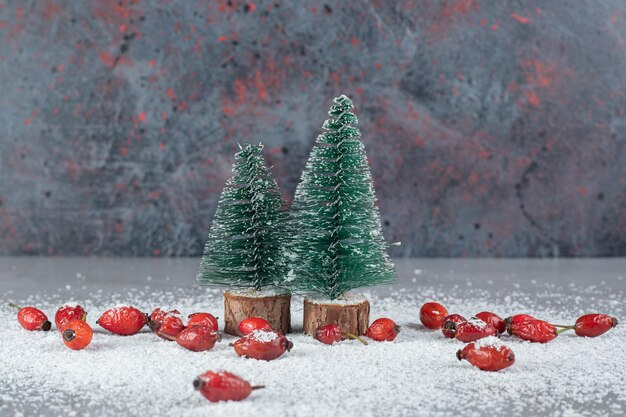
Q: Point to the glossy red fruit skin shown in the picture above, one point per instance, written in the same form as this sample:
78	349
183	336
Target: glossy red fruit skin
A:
262	345
487	358
536	331
203	319
124	321
592	325
32	318
474	329
67	313
198	338
450	331
432	315
170	327
493	319
77	334
251	324
222	386
328	334
517	318
158	315
383	330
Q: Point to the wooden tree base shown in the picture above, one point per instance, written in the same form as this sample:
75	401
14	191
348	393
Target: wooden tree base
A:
241	305
353	315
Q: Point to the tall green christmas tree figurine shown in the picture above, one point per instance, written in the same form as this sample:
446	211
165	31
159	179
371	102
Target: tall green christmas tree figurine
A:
245	247
338	243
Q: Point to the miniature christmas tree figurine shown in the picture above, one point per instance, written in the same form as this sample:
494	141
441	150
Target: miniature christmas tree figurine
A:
245	247
338	243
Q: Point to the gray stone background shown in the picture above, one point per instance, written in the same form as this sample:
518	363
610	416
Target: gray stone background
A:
493	128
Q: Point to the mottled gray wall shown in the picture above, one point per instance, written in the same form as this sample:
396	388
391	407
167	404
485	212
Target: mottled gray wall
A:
493	128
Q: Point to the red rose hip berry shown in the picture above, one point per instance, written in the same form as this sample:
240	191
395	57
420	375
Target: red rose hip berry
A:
592	325
170	327
158	315
262	345
77	334
203	319
448	330
536	331
517	318
223	386
124	321
382	330
32	318
487	357
432	315
67	313
493	319
471	330
198	338
332	333
251	324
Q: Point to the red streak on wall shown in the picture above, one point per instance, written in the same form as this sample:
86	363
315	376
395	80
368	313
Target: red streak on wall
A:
522	19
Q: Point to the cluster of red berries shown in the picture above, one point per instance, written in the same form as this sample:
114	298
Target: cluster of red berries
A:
200	333
259	340
495	356
70	320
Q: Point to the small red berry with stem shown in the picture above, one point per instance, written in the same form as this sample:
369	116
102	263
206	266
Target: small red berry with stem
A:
432	315
32	318
124	321
487	356
382	330
77	334
203	319
332	333
262	345
448	330
158	315
247	326
198	338
592	325
471	330
493	319
223	386
67	313
536	331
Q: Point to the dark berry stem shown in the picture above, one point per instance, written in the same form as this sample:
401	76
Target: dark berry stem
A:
15	306
69	335
257	387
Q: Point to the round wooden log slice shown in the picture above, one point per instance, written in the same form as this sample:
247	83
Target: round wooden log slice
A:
275	308
352	314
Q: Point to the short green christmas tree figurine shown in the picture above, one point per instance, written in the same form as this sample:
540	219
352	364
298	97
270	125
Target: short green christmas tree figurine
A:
245	247
338	244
